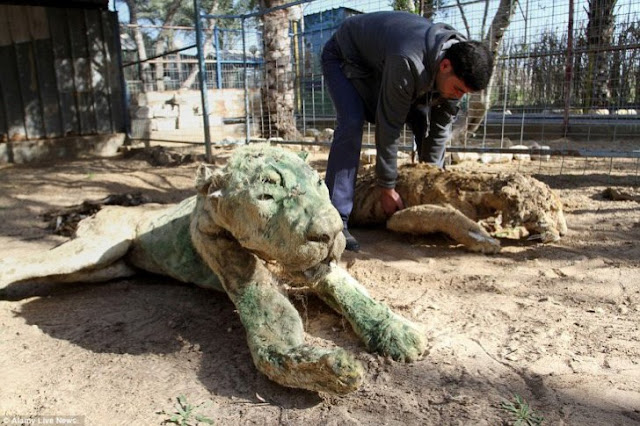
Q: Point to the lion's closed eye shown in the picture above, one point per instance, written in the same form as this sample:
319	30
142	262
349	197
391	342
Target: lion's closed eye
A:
271	177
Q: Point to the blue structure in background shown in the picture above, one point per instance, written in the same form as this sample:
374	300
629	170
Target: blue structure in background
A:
317	29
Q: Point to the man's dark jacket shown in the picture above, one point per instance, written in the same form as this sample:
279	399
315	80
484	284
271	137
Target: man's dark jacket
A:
392	59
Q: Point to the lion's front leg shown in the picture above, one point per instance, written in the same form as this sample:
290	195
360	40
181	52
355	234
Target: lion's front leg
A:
382	330
275	332
430	218
276	339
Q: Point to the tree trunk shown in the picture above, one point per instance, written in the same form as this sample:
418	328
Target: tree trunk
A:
618	71
637	94
278	92
479	103
599	37
425	8
144	69
162	43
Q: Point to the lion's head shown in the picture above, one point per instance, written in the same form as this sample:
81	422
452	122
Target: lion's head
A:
274	205
532	205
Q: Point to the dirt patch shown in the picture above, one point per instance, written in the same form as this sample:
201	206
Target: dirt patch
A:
556	324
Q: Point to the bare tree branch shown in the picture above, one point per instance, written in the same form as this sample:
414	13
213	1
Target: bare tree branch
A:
144	68
464	18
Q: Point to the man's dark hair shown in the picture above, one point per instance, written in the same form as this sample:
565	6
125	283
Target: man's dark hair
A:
472	61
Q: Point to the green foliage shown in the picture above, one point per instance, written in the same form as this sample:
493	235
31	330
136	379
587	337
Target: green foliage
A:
535	71
405	5
185	414
186	16
419	7
522	414
155	11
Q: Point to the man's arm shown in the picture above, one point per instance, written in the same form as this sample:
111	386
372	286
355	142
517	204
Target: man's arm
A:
439	132
396	91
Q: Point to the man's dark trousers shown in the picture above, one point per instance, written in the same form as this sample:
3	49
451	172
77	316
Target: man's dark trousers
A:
344	156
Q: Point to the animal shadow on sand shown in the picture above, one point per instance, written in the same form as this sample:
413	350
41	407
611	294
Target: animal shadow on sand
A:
153	314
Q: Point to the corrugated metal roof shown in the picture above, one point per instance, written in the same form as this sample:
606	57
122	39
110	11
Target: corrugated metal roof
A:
85	4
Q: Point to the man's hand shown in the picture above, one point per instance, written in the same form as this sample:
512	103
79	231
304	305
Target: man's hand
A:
391	201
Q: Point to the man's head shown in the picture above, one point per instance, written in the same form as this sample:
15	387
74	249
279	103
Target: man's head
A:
466	67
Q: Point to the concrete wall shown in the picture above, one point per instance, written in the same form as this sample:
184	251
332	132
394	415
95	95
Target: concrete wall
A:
164	115
43	150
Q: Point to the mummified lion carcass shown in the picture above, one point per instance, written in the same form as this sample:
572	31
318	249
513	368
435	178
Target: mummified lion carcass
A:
263	221
475	209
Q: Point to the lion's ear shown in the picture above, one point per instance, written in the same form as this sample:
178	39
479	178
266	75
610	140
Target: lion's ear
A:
304	155
208	178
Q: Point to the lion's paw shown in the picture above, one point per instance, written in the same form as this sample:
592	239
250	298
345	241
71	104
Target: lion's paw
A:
309	367
483	243
397	338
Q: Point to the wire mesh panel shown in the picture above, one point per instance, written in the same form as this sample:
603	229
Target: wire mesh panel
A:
566	72
175	65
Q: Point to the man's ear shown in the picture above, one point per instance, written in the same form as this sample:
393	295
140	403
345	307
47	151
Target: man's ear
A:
208	179
445	66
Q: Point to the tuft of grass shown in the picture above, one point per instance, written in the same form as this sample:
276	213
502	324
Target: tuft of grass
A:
185	414
522	414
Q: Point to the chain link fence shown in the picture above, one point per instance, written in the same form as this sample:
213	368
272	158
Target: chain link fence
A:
566	77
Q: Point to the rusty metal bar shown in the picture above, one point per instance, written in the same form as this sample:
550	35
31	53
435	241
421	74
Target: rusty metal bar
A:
584	153
202	78
568	76
556	152
169	52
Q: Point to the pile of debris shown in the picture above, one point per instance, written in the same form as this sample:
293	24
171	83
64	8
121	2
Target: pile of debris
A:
159	156
65	221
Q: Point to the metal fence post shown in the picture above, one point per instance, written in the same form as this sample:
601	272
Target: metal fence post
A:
246	84
568	75
202	78
216	38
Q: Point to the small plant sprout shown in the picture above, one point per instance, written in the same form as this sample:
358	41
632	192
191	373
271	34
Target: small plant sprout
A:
185	414
522	414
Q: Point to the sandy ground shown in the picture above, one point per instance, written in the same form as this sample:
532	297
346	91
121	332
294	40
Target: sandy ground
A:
556	324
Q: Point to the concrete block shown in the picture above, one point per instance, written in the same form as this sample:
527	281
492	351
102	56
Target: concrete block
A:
165	111
140	127
141	112
163	124
190	122
523	156
540	157
459	157
489	157
368	156
215	120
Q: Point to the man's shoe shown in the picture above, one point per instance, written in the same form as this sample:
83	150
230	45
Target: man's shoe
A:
352	243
